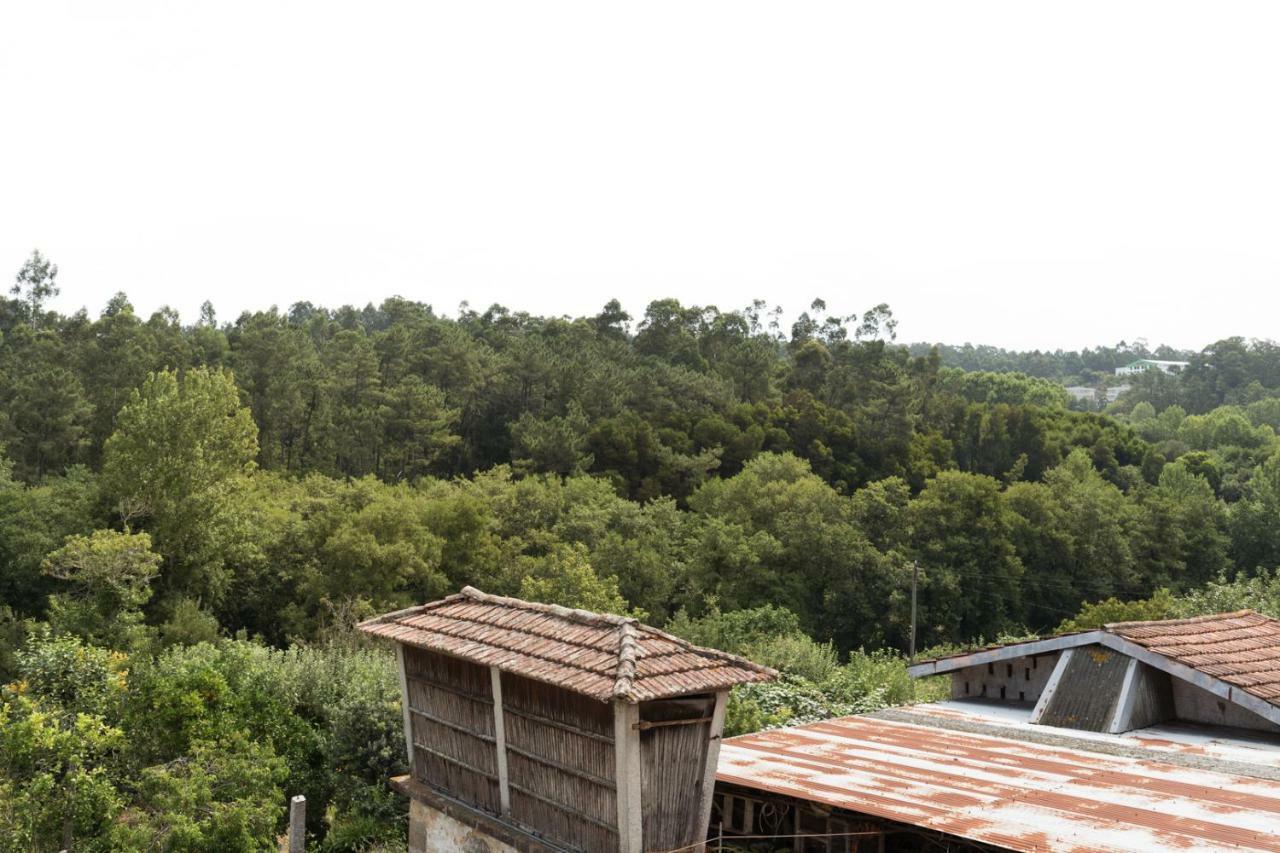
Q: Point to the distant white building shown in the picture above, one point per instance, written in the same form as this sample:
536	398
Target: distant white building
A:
1090	394
1142	365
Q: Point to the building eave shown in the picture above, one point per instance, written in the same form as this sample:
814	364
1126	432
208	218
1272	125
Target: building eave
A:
1003	653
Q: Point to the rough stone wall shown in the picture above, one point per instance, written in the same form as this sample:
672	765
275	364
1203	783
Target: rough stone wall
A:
432	831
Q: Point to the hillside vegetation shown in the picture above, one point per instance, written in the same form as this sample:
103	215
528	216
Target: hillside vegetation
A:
193	516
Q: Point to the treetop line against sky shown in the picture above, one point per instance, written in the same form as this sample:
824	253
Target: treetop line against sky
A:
1027	176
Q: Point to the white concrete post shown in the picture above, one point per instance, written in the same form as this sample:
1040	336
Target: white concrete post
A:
500	741
1047	694
404	707
1121	718
298	824
712	759
626	744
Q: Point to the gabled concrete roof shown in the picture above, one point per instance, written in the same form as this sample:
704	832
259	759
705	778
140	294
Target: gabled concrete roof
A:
1235	656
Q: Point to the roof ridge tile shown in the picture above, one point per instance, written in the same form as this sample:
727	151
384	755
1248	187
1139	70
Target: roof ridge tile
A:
1188	620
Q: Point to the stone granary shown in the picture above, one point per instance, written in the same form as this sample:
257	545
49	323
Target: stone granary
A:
534	727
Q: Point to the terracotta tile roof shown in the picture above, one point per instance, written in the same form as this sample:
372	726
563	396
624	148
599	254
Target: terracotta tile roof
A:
603	656
1241	648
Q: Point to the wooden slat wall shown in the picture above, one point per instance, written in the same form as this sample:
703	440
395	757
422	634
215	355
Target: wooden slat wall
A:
673	760
451	715
560	760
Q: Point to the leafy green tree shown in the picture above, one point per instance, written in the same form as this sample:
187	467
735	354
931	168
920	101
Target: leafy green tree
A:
1161	605
46	428
330	544
821	566
36	283
355	390
735	630
1181	538
55	788
612	320
1072	534
878	324
419	430
107	577
35	520
177	463
222	795
971	577
1251	522
555	445
670	331
280	372
60	745
815	683
114	359
565	577
1260	592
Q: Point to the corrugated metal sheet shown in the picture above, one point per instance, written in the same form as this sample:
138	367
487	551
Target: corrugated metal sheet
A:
1240	752
599	655
1087	692
1010	793
1241	648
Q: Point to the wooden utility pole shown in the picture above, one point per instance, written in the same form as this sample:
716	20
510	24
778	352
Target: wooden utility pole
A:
915	576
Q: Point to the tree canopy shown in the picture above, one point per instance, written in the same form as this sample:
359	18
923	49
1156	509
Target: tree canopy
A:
193	516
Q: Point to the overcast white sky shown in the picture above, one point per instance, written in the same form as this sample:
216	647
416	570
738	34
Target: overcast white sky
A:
1025	174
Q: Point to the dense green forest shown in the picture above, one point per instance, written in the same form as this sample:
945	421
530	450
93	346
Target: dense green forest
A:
1088	366
193	516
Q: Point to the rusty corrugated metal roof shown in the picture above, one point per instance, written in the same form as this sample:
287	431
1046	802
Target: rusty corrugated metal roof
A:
1010	793
1241	648
600	655
1228	750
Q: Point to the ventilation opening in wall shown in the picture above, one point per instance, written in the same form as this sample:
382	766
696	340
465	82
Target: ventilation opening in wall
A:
1028	673
966	688
738	813
1002	692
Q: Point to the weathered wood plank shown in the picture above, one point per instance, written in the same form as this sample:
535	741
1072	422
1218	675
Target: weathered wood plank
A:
404	708
556	724
564	807
455	761
500	741
563	768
